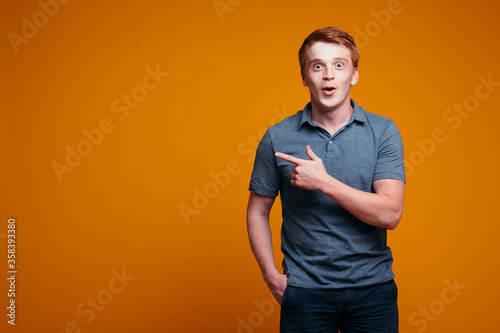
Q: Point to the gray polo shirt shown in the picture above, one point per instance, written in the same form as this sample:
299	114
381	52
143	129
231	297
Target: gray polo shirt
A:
325	246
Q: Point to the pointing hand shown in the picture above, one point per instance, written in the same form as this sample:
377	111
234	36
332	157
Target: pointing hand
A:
307	174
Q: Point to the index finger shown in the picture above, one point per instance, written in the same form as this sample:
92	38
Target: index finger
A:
289	158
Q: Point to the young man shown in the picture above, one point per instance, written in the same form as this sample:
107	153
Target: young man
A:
340	174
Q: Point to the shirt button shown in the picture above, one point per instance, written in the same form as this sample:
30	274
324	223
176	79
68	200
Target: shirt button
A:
330	142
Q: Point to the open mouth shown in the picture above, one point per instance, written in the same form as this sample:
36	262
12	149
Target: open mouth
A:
328	91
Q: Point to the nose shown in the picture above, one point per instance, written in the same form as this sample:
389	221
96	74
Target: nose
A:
329	73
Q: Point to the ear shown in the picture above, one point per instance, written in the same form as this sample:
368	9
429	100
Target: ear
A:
303	80
355	76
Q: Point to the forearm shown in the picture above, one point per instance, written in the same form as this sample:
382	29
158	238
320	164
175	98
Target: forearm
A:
261	242
259	234
381	209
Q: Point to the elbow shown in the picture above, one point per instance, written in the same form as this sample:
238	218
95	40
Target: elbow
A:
387	221
392	220
391	225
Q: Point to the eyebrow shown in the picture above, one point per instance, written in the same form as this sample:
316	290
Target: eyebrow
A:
321	60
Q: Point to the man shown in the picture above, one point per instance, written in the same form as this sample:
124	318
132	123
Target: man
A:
340	174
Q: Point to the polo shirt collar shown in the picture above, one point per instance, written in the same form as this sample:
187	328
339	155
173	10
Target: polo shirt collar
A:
358	114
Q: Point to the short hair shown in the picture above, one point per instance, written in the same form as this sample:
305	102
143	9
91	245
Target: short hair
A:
329	35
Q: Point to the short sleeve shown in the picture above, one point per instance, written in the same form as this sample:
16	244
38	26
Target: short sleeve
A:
390	158
265	178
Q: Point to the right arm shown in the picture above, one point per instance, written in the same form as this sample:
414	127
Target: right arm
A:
259	234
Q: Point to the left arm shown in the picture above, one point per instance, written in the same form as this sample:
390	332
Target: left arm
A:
381	209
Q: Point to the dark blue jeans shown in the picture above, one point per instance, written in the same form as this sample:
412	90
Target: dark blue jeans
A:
354	310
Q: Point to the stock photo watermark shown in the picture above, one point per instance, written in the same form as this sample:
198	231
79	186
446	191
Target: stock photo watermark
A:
11	270
30	27
88	310
223	6
121	106
255	319
381	19
425	315
220	179
454	118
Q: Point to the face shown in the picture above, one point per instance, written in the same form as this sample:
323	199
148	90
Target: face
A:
329	75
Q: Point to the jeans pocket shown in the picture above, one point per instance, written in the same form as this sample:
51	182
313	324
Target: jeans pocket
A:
285	295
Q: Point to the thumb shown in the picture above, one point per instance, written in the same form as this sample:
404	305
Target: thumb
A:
311	154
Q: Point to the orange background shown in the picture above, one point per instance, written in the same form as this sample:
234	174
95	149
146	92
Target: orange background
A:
231	74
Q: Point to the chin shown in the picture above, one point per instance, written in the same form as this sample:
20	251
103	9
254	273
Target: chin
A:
329	105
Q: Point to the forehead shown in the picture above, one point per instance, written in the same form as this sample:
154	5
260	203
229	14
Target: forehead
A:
328	51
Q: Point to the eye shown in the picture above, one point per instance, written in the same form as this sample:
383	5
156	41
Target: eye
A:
339	65
317	66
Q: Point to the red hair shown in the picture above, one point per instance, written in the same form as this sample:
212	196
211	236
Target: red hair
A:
329	35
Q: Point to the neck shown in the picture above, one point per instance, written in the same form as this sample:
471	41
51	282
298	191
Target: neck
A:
332	120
